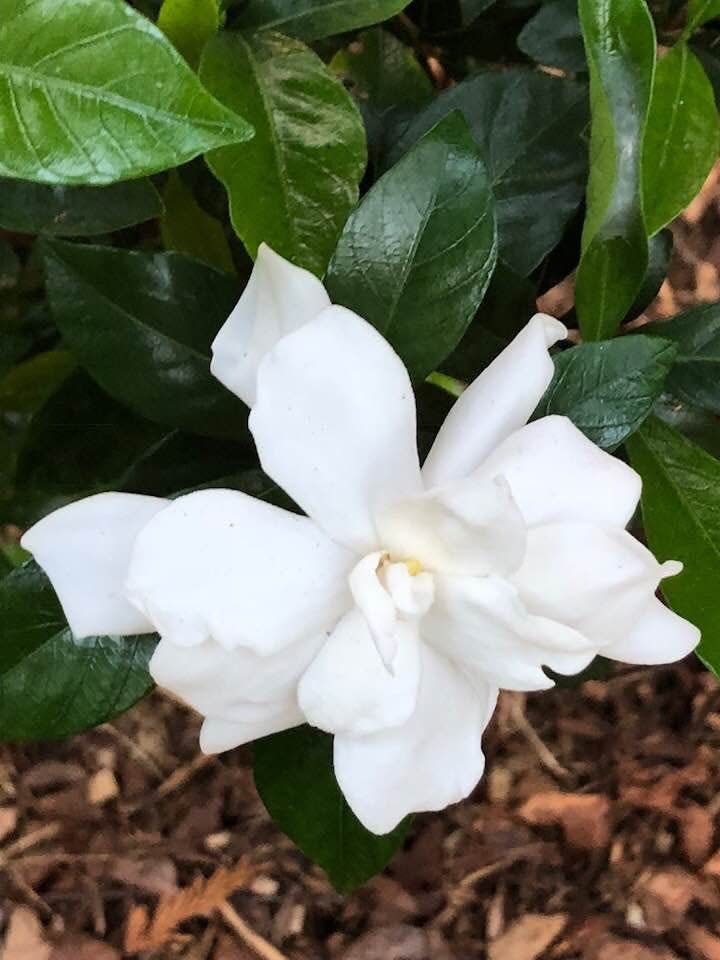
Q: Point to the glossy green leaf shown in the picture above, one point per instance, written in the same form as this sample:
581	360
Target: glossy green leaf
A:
52	685
189	24
314	19
142	325
681	516
383	70
295	779
530	128
553	36
608	389
699	12
696	374
620	46
294	184
76	211
27	386
187	228
416	256
682	137
91	92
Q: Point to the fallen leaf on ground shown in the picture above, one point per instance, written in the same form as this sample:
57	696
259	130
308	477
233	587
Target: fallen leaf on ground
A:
585	817
25	939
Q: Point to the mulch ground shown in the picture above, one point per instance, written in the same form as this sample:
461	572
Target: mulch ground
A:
593	835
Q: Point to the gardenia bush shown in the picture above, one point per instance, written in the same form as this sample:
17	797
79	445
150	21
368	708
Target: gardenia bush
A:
282	429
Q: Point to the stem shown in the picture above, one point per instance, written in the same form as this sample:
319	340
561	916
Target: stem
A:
449	384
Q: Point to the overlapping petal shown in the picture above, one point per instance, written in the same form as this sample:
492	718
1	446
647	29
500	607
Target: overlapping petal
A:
220	565
556	473
242	695
432	760
472	527
496	404
349	690
85	550
278	299
334	424
597	580
659	636
482	624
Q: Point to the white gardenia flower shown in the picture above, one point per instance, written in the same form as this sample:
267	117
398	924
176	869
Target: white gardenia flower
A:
393	612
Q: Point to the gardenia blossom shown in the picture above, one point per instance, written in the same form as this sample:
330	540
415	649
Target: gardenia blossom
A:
392	613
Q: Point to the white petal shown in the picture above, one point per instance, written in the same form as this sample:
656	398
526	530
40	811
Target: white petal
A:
481	623
218	735
496	404
85	550
433	760
243	695
334	424
659	636
556	473
598	581
470	527
348	689
219	564
278	299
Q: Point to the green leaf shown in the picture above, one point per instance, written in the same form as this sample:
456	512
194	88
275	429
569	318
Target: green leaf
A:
711	65
471	9
416	257
530	129
696	374
52	685
187	228
620	45
93	92
608	389
27	386
682	137
294	184
76	211
142	325
660	248
295	779
681	516
383	70
315	19
698	425
553	36
189	24
699	12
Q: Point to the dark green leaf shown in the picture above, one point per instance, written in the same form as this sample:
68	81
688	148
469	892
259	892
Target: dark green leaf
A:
314	19
93	92
187	228
698	425
681	516
416	256
294	184
9	267
553	36
52	685
189	24
682	136
660	248
608	389
696	374
699	12
711	64
27	386
383	71
471	9
76	211
530	128
5	565
142	325
295	779
620	45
